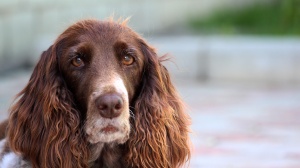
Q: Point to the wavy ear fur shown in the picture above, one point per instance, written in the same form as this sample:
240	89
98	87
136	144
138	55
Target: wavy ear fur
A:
44	126
160	125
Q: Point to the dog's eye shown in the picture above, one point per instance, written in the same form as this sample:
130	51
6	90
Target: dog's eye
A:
77	61
128	60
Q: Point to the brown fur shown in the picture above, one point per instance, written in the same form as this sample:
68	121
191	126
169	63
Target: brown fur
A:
46	123
3	128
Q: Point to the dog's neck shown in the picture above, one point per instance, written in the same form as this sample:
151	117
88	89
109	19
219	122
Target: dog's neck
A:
105	155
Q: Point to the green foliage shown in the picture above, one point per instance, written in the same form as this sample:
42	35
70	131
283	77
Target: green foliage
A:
281	17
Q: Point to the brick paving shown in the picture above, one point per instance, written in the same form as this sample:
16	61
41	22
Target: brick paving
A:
233	126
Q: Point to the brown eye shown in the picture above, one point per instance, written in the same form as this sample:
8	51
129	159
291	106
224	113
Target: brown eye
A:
78	62
127	60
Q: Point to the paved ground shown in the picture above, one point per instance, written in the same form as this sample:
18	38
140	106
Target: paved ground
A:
233	126
244	127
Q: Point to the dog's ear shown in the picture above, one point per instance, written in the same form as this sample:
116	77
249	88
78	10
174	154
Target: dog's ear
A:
43	126
160	126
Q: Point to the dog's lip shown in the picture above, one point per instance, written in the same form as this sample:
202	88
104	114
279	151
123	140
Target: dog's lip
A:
109	129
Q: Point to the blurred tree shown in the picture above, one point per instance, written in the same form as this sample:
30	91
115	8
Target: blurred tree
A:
281	17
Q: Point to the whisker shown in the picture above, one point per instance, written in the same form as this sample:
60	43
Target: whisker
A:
132	115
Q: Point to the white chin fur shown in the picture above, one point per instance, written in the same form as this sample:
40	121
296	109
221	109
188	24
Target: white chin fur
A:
116	137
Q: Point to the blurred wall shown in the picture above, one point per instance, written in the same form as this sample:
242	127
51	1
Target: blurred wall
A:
272	61
27	27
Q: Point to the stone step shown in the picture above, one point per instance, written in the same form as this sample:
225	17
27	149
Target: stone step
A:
263	60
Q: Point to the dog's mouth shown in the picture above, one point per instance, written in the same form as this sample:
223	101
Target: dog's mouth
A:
110	132
109	129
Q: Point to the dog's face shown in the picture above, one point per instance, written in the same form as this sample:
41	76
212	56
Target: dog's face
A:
102	68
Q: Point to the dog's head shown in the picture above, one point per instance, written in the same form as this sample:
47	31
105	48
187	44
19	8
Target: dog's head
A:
102	64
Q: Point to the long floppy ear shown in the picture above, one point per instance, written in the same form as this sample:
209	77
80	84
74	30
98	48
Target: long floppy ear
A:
44	126
159	136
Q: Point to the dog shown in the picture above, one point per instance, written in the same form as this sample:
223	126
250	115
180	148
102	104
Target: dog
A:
98	97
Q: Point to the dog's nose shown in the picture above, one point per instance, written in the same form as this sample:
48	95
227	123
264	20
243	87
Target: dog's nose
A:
109	105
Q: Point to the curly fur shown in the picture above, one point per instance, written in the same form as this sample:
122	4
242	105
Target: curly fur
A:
160	126
46	126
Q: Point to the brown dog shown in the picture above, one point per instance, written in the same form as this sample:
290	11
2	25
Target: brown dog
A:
98	97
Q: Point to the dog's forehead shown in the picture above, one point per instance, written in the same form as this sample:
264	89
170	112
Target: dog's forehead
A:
103	37
109	32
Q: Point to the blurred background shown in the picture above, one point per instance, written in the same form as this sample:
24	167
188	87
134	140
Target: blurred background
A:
236	64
